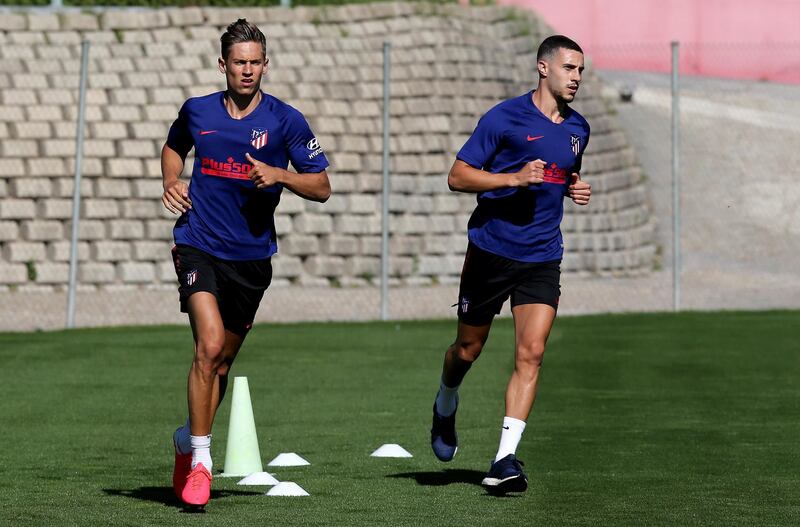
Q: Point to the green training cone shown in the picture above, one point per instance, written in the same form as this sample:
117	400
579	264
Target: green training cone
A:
242	456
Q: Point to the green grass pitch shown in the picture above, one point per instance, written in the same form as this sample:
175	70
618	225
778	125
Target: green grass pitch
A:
689	419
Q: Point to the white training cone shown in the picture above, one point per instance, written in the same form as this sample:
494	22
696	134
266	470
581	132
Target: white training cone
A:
289	459
242	457
287	488
259	478
391	450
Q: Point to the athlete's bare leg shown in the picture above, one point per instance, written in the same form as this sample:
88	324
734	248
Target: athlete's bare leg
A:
215	351
532	324
457	361
463	352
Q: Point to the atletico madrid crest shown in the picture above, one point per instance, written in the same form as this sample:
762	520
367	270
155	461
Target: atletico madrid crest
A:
575	141
258	138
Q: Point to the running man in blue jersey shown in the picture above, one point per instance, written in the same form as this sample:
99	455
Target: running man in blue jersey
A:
244	140
522	159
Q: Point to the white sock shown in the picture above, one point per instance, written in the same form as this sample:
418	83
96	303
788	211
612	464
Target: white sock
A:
181	438
446	400
201	451
509	437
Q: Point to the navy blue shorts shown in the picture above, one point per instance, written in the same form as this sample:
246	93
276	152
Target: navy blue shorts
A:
488	280
237	285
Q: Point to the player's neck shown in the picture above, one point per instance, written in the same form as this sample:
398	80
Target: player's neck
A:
550	106
240	106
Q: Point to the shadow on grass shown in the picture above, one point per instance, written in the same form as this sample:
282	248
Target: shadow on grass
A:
450	476
447	476
166	496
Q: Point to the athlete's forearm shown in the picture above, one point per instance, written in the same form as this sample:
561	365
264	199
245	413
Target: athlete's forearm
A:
171	166
176	192
464	178
313	186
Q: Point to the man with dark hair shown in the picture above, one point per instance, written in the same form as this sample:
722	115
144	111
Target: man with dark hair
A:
244	140
522	159
553	43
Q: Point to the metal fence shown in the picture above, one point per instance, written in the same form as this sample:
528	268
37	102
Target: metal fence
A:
729	237
392	246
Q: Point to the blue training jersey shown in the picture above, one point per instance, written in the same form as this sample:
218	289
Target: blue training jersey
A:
230	218
523	223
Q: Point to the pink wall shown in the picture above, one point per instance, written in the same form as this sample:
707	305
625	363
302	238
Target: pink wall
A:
752	39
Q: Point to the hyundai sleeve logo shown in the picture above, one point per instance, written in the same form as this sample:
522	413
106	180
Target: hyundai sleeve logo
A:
313	144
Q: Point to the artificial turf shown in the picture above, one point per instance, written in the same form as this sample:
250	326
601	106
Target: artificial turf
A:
660	419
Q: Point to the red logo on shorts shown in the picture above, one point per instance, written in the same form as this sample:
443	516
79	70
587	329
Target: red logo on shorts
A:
191	277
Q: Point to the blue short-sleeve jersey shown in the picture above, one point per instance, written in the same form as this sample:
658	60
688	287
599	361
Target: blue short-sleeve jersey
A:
230	218
524	223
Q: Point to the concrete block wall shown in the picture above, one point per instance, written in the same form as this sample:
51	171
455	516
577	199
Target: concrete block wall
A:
449	65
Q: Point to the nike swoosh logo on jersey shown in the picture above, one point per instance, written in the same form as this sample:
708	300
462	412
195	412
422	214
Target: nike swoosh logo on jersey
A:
530	138
206	132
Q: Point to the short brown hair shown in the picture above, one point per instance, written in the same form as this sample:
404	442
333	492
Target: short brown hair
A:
241	31
553	43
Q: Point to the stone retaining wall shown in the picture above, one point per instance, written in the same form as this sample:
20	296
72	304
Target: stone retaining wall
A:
449	65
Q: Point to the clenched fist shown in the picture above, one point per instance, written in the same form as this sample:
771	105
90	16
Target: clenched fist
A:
579	190
531	174
176	197
262	174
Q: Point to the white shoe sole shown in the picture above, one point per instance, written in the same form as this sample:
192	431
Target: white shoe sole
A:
509	484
